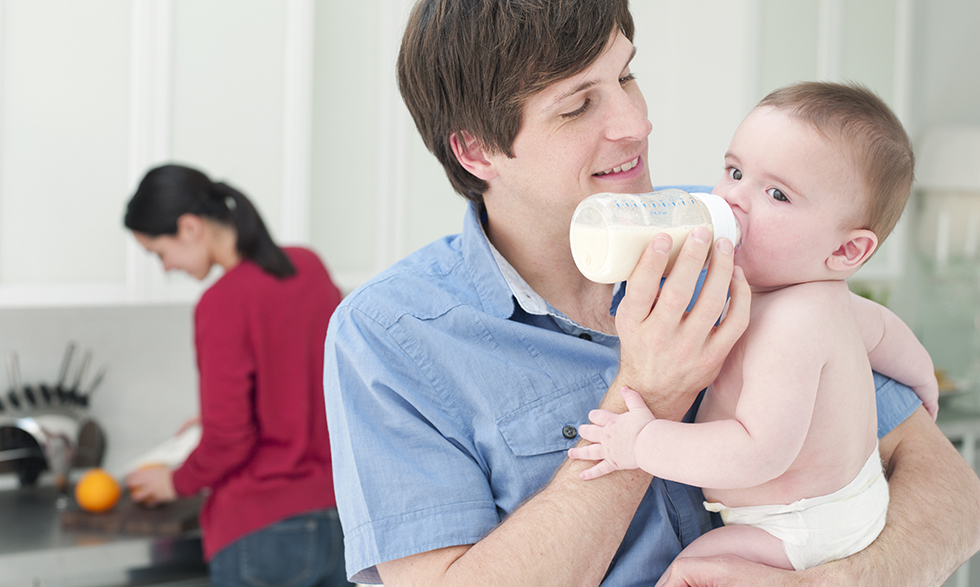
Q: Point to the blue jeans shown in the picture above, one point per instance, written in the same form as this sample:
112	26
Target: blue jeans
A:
302	551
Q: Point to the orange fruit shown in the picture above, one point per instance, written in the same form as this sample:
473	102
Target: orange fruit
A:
97	491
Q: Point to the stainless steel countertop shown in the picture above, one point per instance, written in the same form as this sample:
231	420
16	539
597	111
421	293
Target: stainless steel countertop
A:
35	550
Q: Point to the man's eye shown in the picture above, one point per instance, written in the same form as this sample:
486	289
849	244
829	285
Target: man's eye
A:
734	173
627	79
578	112
777	195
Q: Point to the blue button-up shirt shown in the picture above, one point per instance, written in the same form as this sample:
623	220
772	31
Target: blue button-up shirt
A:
449	388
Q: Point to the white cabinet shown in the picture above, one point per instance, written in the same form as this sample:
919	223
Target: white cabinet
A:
295	102
95	93
292	101
63	147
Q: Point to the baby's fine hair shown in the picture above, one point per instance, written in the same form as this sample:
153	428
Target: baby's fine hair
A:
471	65
863	123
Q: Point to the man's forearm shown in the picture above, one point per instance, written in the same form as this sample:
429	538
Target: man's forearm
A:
933	516
567	534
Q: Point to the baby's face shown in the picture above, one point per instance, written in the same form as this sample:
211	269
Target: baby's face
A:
794	193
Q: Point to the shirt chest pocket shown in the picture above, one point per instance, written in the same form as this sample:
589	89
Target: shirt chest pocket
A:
539	432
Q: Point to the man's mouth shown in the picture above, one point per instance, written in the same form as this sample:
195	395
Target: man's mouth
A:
624	167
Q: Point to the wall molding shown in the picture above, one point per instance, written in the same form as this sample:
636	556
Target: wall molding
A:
150	124
297	135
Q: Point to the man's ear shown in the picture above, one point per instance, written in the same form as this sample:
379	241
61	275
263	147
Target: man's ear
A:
190	226
471	155
858	247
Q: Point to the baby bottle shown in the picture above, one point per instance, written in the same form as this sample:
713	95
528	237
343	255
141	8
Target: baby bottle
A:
609	232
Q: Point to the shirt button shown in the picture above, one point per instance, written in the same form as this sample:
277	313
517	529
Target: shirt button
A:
585	336
569	432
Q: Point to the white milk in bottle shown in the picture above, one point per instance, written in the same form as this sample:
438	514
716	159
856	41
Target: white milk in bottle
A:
609	232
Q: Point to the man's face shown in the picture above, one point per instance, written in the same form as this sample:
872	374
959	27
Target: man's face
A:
795	194
580	136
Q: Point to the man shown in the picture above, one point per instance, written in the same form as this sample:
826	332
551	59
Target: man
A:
455	380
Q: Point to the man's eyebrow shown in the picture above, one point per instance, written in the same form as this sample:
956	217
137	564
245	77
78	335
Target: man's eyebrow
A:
586	84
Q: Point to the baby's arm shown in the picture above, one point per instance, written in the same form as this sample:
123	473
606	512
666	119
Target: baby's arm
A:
756	443
894	351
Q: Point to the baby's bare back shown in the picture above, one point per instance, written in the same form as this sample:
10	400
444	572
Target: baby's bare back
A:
799	380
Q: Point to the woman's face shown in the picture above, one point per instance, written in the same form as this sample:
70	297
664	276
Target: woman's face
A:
185	251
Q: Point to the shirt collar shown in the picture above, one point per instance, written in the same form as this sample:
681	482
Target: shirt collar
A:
500	285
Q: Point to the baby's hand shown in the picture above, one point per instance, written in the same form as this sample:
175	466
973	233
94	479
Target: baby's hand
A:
614	435
929	394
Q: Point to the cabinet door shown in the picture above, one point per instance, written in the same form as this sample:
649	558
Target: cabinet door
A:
95	93
64	124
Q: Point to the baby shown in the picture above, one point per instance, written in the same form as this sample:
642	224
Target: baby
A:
785	440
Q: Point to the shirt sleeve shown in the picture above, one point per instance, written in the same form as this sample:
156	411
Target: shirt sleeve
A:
405	478
896	402
227	374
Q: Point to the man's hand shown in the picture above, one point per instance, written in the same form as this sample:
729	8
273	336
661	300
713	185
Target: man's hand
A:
614	435
669	354
727	571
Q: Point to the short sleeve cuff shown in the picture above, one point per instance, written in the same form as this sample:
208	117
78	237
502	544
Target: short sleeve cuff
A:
896	402
395	538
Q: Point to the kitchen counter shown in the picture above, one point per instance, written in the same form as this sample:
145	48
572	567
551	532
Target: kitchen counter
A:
36	550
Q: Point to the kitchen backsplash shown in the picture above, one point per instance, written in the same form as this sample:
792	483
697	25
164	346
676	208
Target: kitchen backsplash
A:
151	385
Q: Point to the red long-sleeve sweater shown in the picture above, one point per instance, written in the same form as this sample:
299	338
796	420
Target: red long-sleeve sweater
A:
264	453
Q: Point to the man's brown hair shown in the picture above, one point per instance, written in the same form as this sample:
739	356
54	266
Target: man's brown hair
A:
471	65
871	132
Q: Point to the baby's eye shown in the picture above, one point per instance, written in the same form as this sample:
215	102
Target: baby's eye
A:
777	195
734	173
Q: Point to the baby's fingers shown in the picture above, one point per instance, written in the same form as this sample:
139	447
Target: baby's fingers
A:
601	417
603	468
633	399
592	452
590	432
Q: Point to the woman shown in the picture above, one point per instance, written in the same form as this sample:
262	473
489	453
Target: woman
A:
270	515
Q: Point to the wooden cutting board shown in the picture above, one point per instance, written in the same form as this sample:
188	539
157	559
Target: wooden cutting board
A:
127	517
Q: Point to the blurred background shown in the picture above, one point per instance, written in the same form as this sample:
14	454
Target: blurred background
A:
295	103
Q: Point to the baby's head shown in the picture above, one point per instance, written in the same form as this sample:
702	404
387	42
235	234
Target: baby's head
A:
869	132
818	174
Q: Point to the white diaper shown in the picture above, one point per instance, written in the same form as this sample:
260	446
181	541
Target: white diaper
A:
821	529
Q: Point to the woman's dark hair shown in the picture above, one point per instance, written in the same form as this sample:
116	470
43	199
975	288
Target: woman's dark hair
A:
170	191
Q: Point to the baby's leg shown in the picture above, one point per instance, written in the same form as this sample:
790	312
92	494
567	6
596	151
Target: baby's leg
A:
748	542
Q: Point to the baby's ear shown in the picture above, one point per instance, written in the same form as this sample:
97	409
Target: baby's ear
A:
471	155
857	249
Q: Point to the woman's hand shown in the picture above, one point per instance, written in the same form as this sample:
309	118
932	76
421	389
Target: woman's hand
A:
151	485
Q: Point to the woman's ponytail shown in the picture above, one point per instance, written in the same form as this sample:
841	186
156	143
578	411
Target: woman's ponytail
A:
254	241
170	191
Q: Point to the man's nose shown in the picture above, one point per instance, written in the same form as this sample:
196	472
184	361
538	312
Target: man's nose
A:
628	118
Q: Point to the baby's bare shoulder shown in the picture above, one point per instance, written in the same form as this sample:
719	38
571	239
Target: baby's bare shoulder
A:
812	297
